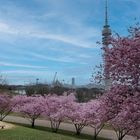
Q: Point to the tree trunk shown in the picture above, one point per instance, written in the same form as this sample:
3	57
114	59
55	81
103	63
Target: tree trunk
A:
55	125
79	128
78	132
95	134
121	136
97	131
95	137
33	123
1	117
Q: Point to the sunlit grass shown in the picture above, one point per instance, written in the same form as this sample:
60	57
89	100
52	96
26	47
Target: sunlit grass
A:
40	133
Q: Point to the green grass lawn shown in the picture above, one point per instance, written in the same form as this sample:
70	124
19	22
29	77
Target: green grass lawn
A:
40	133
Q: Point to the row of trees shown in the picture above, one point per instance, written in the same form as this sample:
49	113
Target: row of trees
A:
83	94
44	89
124	119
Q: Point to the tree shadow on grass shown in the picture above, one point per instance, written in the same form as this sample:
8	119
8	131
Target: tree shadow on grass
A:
61	132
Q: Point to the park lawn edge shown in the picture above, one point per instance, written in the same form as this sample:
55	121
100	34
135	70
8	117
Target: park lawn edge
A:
61	133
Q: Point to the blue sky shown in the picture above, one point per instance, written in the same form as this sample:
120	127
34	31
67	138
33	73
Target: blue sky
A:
41	37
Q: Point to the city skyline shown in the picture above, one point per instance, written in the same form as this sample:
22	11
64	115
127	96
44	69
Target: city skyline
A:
41	37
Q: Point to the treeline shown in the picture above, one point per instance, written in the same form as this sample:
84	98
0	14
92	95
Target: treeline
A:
82	94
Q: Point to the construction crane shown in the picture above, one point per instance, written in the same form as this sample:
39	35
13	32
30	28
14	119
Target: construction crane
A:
54	79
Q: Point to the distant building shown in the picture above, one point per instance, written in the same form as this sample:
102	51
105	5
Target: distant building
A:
20	91
73	83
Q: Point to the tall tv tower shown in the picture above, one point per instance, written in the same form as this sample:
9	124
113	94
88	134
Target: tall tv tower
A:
106	34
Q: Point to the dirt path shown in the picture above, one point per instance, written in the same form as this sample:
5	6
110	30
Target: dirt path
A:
6	125
110	134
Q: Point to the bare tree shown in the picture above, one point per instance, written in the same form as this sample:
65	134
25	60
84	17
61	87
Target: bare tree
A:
3	82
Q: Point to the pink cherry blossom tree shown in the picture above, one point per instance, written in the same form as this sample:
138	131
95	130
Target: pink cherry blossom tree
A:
122	60
55	109
76	112
95	116
120	106
6	105
30	107
127	121
113	99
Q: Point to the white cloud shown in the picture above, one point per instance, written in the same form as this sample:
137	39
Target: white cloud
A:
62	38
26	72
5	28
35	33
21	65
26	76
65	59
134	1
86	56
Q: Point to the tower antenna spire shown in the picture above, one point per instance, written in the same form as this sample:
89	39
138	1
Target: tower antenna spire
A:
106	12
106	32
